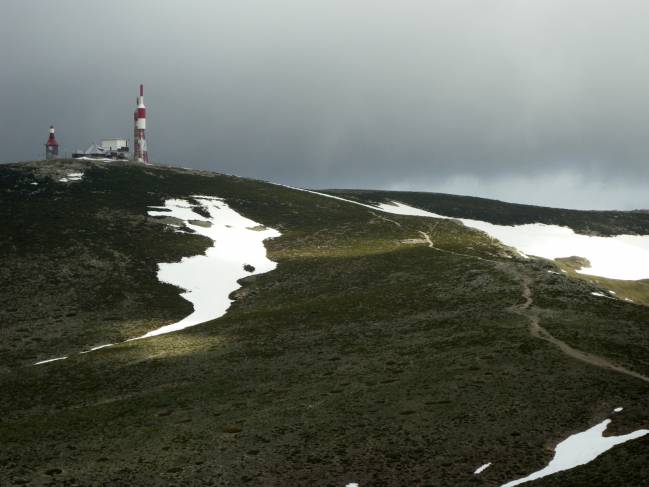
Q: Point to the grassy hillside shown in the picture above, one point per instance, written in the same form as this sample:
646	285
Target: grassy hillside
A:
366	356
604	223
600	223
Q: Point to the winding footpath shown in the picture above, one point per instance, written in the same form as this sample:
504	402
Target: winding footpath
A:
526	309
580	448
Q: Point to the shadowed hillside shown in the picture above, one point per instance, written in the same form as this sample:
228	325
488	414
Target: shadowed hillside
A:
369	355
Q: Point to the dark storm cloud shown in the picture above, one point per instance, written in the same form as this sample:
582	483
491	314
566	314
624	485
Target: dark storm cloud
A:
542	101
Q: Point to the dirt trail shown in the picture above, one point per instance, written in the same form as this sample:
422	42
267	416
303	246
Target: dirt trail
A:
384	218
428	240
527	310
430	243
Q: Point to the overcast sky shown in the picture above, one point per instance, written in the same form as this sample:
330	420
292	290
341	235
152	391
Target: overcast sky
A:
540	101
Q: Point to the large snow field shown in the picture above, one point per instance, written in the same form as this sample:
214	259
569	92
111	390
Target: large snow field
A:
209	279
580	449
620	257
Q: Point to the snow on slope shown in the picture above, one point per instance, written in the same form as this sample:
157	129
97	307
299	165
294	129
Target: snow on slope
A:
209	279
73	176
481	469
580	449
620	257
50	360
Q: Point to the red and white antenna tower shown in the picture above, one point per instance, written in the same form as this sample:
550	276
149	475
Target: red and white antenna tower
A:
52	146
141	154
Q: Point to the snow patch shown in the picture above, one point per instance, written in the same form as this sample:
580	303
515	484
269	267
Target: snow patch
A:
618	410
99	347
95	159
620	257
481	469
397	208
601	295
73	176
50	360
623	257
208	279
580	449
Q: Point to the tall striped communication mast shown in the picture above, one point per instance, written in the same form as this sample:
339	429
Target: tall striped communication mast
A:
141	154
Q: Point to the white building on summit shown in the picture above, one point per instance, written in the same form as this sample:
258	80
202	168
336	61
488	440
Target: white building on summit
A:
114	145
116	149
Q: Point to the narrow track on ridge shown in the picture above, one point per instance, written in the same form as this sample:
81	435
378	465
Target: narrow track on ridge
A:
526	309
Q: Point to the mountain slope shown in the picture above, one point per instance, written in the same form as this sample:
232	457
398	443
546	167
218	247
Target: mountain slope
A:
366	356
609	248
604	223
